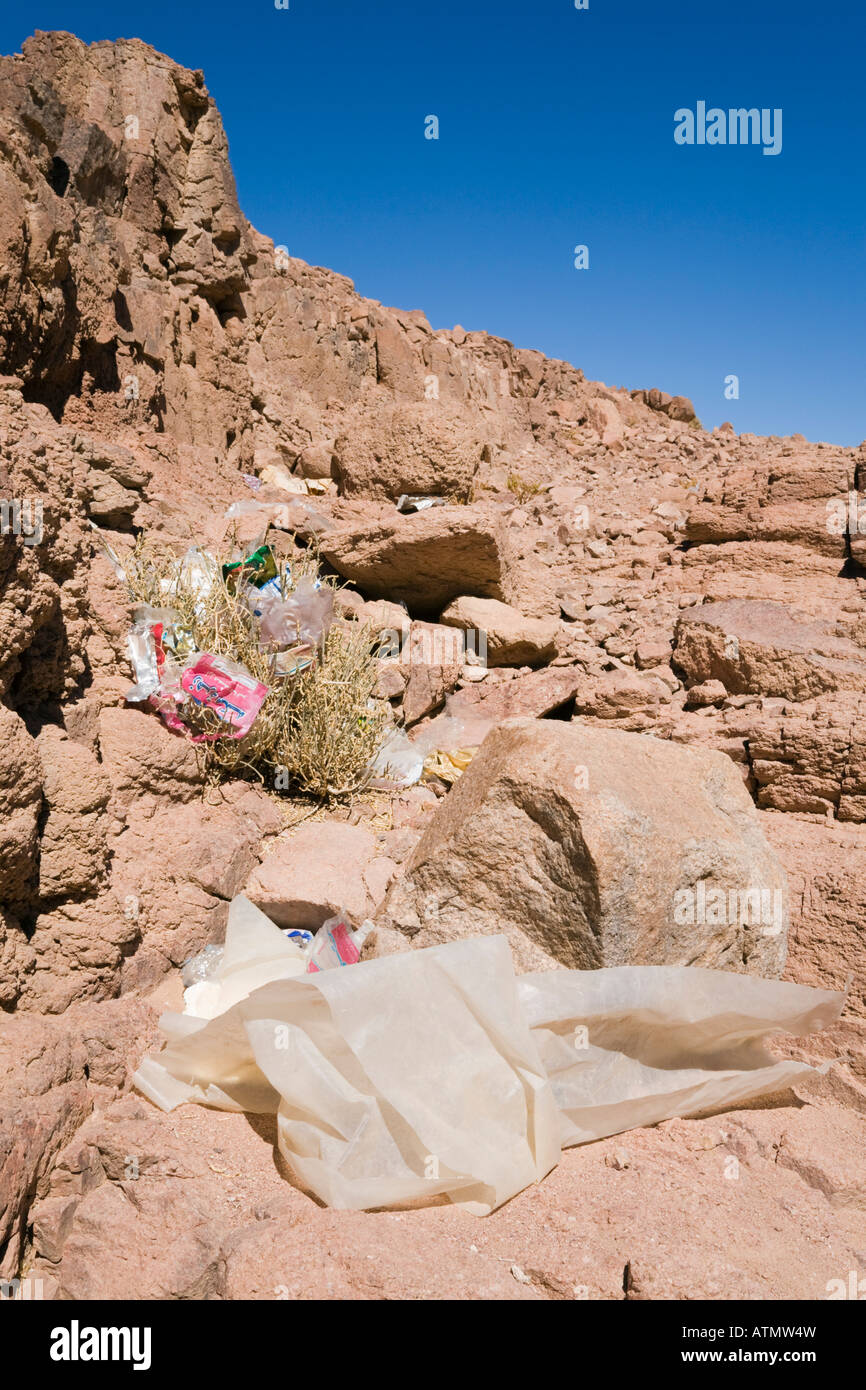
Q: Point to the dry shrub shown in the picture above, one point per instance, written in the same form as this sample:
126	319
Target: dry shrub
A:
521	487
317	731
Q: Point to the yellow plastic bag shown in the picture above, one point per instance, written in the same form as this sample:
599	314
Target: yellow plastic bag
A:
448	766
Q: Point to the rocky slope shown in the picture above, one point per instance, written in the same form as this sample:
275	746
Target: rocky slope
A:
632	572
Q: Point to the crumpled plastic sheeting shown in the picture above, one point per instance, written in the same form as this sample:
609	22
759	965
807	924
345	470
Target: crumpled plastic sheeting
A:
637	1044
439	1073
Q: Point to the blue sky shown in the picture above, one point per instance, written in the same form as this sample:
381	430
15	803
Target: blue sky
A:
556	129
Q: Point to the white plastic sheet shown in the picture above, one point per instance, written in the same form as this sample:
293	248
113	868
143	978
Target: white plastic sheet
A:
438	1073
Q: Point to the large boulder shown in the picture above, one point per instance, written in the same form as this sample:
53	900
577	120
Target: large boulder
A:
588	847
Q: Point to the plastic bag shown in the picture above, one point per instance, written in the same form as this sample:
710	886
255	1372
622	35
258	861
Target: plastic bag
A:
398	763
637	1044
226	687
255	951
146	643
304	615
336	944
438	1072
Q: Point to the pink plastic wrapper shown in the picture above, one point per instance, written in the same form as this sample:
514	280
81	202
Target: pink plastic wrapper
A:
336	944
226	688
216	683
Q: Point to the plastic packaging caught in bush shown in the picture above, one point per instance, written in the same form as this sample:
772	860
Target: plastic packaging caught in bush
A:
257	569
147	643
224	686
304	615
196	572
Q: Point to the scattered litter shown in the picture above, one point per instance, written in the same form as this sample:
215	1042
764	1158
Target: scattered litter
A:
451	741
304	615
217	683
398	763
257	569
519	1275
196	572
444	1052
295	515
212	639
335	943
203	966
251	481
301	938
448	767
143	641
411	502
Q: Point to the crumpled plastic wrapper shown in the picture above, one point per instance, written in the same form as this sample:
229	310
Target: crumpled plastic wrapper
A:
438	1074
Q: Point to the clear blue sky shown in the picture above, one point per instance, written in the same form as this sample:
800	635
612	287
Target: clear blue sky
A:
556	129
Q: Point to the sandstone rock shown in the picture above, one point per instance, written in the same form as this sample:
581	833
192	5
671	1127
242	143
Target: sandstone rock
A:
511	638
427	559
414	446
109	1228
606	420
621	692
431	660
144	758
51	1070
761	646
73	849
16	960
175	870
681	408
576	843
314	874
315	461
78	949
826	866
648	654
20	805
707	693
536	694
